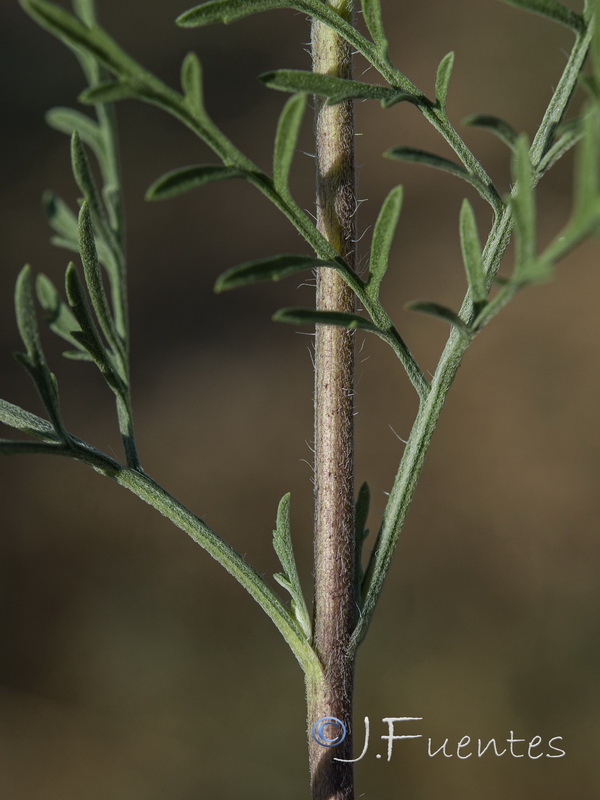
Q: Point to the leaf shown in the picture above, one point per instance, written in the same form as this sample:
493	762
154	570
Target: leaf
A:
587	164
88	337
230	10
93	278
441	312
471	252
309	316
268	269
372	13
523	205
87	184
360	532
24	421
110	92
566	137
67	120
286	140
61	218
183	180
383	235
552	9
505	132
335	89
59	316
34	360
191	82
442	79
282	544
431	160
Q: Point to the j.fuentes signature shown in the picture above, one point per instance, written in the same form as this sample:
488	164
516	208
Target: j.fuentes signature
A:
330	731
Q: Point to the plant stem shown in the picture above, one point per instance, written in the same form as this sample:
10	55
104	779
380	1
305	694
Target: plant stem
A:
330	695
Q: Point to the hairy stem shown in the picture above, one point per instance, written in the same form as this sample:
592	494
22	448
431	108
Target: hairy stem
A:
335	601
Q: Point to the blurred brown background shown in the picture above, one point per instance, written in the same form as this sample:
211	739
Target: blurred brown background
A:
131	666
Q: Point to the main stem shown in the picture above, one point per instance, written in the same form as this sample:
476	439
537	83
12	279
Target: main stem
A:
330	694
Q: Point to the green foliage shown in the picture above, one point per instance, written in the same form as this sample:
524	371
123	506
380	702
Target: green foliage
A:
282	544
442	79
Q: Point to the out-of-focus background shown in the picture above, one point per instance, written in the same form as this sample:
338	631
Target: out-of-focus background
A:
131	665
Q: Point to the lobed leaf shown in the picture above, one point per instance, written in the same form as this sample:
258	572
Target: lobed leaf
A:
441	312
309	316
552	9
183	180
286	140
438	162
383	235
268	269
442	79
505	132
472	254
337	90
282	544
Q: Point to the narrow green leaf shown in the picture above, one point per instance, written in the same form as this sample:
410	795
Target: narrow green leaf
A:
67	120
191	82
268	269
441	312
360	531
471	252
59	316
335	89
34	360
523	205
93	278
372	13
282	544
85	11
308	316
383	235
183	180
438	162
587	164
61	218
442	79
88	337
87	184
110	92
286	140
25	421
230	10
566	137
505	132
551	9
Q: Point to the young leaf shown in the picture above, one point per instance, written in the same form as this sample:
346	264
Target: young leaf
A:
268	269
59	316
61	218
523	205
109	92
372	13
93	278
87	184
360	531
441	312
505	132
553	10
308	316
335	89
183	180
282	544
68	120
442	79
471	252
34	360
88	337
383	235
587	170
24	421
286	140
191	82
431	160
